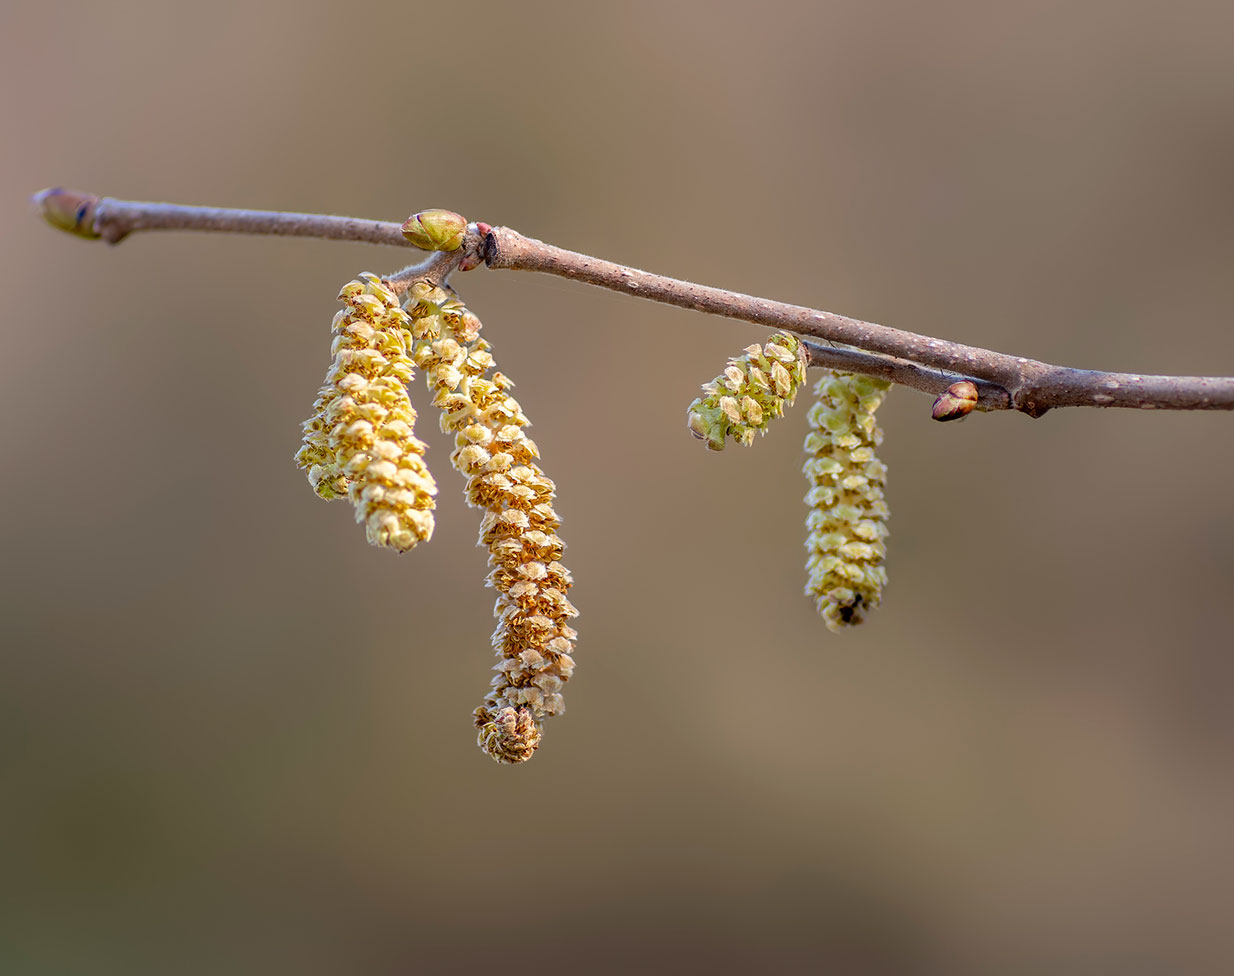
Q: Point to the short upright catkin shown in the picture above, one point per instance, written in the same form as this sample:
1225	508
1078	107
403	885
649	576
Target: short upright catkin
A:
533	638
847	521
361	439
753	390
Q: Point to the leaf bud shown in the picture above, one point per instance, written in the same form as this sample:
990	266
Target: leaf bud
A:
955	402
436	230
69	210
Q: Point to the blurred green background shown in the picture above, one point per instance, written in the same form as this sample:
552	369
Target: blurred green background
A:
236	739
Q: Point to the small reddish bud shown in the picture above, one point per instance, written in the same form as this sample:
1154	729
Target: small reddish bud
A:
473	249
955	402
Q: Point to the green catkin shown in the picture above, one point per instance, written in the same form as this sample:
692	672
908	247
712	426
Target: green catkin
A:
360	441
752	390
846	527
533	639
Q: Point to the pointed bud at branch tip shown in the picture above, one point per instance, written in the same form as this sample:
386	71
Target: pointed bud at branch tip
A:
435	230
955	402
69	210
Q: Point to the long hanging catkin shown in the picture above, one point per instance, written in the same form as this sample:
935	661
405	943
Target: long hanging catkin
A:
847	521
533	639
361	441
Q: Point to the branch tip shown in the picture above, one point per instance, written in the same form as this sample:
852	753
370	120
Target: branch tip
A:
72	211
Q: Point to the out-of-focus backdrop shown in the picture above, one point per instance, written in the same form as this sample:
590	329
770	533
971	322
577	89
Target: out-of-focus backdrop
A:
238	739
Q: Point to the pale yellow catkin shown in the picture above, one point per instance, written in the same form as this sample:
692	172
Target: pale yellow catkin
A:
360	441
752	391
846	526
533	639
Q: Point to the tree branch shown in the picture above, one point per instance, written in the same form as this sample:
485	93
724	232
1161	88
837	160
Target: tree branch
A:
1030	386
917	361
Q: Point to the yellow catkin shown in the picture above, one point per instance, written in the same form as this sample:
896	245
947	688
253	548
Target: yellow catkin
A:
752	391
534	639
360	441
847	521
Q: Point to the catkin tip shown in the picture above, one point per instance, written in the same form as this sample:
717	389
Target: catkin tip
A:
507	735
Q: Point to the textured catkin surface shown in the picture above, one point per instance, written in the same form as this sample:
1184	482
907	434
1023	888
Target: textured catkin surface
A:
753	390
847	524
533	639
360	441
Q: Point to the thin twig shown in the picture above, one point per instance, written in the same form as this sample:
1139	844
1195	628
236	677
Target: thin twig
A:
991	396
117	218
435	268
920	362
113	220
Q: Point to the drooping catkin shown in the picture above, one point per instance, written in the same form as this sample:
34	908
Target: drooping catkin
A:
533	639
847	521
752	390
360	441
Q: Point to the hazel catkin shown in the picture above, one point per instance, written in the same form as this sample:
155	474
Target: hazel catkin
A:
360	441
533	639
752	391
846	526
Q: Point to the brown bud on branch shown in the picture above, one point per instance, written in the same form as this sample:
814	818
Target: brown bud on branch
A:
955	402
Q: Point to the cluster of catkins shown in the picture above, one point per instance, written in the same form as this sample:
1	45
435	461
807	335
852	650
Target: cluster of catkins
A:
846	526
360	443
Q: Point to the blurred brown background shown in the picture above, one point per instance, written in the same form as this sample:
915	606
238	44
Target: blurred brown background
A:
237	739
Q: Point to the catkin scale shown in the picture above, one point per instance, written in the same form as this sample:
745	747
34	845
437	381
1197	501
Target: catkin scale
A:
533	639
360	441
846	526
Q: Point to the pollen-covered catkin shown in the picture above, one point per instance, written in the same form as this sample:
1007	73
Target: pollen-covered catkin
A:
360	441
752	390
533	639
847	521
